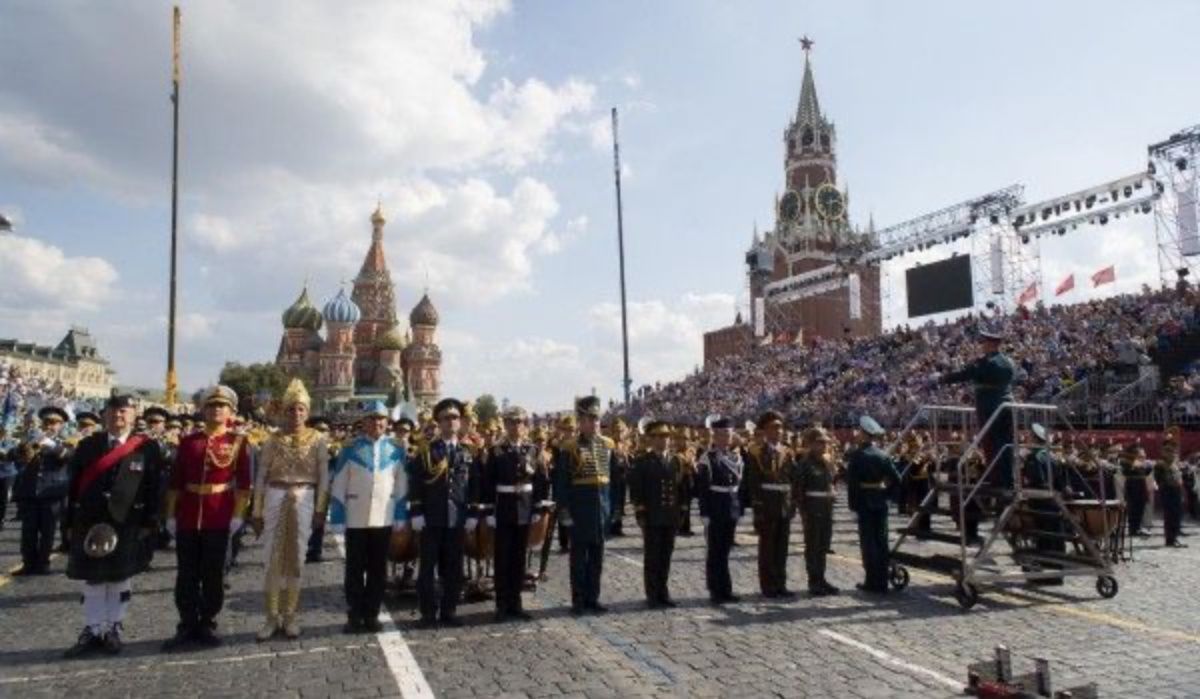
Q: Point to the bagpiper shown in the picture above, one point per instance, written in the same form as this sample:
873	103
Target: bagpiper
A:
656	488
581	475
444	505
515	491
718	487
871	478
368	489
207	499
290	496
113	502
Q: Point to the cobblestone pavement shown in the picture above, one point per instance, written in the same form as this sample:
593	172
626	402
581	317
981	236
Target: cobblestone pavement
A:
915	644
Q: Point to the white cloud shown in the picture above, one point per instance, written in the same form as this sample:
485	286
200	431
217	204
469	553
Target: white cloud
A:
47	154
40	277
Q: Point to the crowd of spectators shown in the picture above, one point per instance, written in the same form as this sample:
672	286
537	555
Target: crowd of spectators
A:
22	395
890	376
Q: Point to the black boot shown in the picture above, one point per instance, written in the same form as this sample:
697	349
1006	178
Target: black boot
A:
112	639
86	643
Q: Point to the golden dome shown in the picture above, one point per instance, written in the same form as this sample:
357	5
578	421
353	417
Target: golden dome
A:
377	217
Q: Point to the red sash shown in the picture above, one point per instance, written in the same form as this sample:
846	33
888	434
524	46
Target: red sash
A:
97	468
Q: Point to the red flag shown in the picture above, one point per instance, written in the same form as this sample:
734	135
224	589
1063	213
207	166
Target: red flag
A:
1108	275
1028	295
1066	285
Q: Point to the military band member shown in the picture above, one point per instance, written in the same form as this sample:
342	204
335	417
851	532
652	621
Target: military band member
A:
992	376
681	447
402	431
617	432
369	484
1169	478
814	485
113	503
718	488
656	488
291	490
444	504
770	480
515	489
86	424
40	489
564	433
871	477
1137	487
581	475
207	499
1042	472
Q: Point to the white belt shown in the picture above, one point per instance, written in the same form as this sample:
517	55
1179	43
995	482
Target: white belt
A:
818	493
723	488
779	487
520	488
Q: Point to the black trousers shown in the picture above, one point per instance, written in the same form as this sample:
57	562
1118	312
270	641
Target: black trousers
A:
512	552
316	541
39	520
873	543
1136	500
441	561
5	489
1172	503
918	490
587	564
773	536
716	561
366	570
658	547
818	535
616	507
200	576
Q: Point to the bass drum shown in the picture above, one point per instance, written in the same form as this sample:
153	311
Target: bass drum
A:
1097	517
480	543
404	546
538	532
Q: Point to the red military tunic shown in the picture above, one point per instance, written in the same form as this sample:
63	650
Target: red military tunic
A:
210	483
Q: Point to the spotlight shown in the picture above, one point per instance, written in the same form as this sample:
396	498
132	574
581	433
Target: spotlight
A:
1150	167
1090	200
995	219
1128	191
1146	208
1025	240
1045	213
1020	221
1103	219
1182	272
1181	164
1078	205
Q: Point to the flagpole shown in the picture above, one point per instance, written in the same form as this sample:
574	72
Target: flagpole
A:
621	254
172	388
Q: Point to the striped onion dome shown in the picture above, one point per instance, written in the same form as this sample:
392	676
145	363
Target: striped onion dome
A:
341	310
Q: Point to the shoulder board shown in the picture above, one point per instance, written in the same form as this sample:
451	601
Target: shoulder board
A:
608	442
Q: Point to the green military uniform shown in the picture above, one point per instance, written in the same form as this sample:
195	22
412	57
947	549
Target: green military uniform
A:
770	480
656	483
992	376
871	477
814	484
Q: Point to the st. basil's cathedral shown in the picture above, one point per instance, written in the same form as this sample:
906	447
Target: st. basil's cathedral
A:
364	353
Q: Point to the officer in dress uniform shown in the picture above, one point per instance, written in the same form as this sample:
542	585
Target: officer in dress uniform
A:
444	503
1169	478
40	489
871	477
515	492
992	375
1137	488
582	469
206	500
718	489
814	484
770	480
656	488
112	504
617	432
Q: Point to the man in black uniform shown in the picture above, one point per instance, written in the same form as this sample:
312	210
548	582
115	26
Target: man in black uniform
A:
655	488
1137	494
871	477
444	493
40	488
515	488
814	485
112	507
770	480
718	485
1169	478
992	374
617	433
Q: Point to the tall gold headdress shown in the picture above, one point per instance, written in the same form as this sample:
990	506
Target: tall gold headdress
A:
296	393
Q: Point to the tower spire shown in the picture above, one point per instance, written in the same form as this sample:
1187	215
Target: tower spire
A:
809	110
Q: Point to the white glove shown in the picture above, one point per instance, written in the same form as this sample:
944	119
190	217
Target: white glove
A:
491	521
704	522
535	518
171	527
418	523
566	519
235	525
472	523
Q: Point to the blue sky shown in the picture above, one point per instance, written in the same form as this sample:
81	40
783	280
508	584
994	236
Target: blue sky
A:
481	127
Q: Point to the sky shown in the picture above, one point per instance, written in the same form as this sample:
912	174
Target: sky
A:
481	127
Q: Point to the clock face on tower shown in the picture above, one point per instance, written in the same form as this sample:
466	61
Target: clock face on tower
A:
789	206
829	202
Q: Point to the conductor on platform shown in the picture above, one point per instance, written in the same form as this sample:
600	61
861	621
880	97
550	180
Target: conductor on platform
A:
992	375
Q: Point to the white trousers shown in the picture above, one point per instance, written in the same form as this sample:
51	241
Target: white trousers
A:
105	604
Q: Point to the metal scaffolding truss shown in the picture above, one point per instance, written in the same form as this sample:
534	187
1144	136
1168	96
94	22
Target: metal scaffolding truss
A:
1094	205
944	225
1174	167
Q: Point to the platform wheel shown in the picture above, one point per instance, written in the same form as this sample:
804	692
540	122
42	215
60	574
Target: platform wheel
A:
898	577
1107	586
966	594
